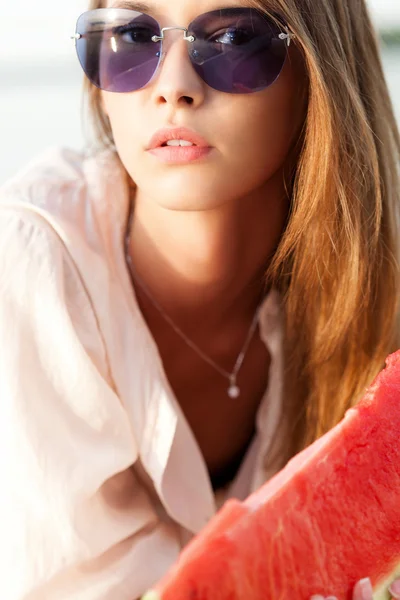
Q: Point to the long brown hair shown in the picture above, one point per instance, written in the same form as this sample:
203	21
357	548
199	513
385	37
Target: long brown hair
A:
337	264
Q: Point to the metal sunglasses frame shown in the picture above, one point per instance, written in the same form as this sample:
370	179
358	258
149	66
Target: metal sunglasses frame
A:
288	36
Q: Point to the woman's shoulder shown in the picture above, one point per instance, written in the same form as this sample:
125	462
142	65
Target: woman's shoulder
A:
60	245
70	189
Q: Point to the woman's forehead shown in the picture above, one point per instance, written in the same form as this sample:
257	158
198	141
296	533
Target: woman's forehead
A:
175	9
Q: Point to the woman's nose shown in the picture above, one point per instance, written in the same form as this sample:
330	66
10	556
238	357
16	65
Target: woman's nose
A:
176	81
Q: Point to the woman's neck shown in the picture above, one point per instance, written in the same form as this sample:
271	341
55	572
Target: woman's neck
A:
207	264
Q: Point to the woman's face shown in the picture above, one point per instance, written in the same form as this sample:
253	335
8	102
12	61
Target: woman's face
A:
250	134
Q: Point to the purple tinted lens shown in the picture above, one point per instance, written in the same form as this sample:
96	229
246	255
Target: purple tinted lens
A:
116	50
237	50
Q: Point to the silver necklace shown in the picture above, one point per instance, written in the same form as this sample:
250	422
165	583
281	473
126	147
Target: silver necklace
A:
233	389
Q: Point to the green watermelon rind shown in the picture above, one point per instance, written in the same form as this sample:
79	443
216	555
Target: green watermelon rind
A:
151	595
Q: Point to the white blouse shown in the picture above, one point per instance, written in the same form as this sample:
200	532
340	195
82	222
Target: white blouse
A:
103	481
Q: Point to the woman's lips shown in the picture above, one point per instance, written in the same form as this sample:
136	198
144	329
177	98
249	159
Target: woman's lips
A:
173	154
162	136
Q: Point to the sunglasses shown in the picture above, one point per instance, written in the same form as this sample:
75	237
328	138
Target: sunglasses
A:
233	50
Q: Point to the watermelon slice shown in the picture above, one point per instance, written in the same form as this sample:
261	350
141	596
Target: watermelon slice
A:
328	519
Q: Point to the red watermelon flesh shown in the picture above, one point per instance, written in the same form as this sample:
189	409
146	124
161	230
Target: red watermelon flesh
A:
328	519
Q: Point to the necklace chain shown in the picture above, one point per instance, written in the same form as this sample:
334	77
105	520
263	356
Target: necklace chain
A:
233	390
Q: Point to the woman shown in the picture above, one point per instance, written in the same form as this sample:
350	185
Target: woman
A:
178	306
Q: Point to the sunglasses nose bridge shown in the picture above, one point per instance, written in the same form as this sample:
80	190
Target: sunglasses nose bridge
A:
162	38
186	37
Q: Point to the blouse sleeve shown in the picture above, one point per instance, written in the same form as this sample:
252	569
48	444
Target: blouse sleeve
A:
75	522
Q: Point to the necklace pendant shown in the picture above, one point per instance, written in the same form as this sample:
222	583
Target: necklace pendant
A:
233	391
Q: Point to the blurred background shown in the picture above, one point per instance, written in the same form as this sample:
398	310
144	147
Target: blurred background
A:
41	80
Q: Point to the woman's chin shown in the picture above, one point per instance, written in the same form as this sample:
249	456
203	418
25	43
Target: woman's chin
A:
183	194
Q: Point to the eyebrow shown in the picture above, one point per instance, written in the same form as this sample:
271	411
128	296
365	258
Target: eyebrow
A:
132	5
